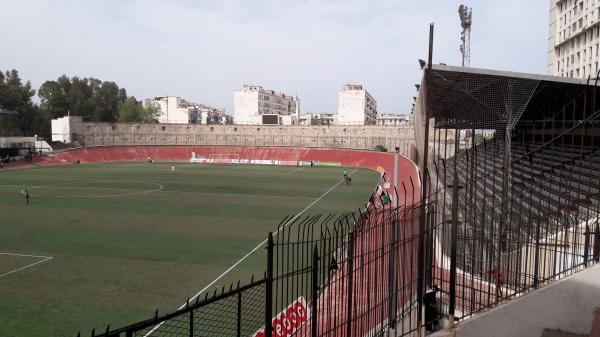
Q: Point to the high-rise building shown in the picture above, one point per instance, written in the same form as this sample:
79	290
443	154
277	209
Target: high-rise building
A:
574	35
254	105
356	106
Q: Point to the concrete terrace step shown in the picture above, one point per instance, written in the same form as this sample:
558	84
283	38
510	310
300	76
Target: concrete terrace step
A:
596	324
560	333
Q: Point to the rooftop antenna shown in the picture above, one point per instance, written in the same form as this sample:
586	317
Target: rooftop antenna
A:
465	14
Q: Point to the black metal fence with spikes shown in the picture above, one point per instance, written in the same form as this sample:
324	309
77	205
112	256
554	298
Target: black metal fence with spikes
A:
326	275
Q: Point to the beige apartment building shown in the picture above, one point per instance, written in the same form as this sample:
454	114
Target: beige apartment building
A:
574	38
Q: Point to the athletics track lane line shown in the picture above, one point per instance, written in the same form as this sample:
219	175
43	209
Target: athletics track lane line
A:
260	245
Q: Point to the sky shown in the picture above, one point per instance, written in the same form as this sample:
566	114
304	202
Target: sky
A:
202	50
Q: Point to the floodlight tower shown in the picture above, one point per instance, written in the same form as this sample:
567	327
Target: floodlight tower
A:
465	14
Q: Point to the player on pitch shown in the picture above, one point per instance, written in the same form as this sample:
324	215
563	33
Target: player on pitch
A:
346	177
26	192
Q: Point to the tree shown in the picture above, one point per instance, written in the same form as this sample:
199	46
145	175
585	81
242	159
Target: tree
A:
16	96
91	98
54	99
133	111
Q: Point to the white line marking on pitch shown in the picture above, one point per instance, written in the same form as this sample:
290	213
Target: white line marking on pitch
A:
251	252
298	169
240	195
141	191
44	259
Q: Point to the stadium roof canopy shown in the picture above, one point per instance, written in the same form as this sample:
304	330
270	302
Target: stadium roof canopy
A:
468	98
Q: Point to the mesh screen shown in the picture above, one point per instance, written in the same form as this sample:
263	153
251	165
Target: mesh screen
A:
219	318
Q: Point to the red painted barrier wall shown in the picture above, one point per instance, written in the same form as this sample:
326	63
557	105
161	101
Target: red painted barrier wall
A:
353	158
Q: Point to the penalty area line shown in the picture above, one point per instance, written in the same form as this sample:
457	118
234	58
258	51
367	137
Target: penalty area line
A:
44	259
251	252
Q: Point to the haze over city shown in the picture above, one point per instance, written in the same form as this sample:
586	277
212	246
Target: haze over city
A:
204	50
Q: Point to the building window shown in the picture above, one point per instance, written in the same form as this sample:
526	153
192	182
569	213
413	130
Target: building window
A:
163	128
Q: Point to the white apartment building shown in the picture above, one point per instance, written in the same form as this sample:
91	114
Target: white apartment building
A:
317	119
393	119
574	36
356	106
176	110
254	105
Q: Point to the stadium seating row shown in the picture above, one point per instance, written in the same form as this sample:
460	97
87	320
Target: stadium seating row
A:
550	188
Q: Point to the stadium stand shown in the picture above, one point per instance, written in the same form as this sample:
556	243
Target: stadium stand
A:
552	188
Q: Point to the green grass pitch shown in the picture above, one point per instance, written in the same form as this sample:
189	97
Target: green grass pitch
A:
110	243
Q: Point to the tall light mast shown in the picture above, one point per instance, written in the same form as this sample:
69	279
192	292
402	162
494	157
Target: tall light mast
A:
465	36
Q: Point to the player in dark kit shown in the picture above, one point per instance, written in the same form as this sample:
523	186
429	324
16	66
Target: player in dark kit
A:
346	178
26	197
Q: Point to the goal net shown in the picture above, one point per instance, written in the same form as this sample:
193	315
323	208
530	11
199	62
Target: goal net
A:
217	158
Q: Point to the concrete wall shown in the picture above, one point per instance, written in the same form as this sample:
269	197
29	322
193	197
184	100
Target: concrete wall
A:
567	305
334	136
